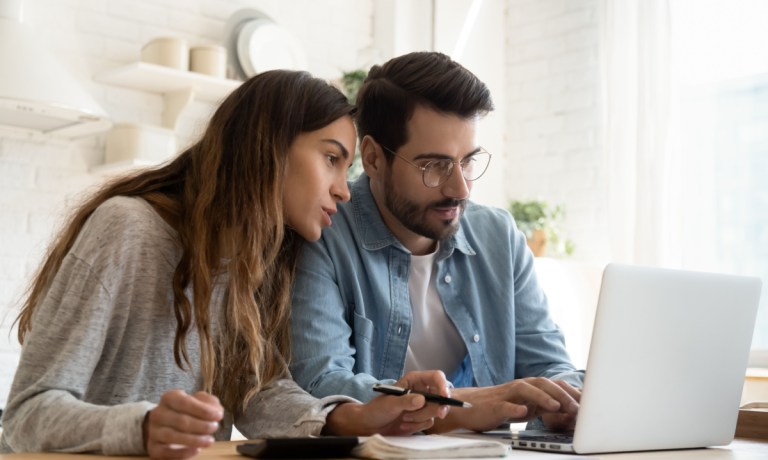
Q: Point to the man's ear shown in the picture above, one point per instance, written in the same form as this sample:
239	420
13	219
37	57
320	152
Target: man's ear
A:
371	156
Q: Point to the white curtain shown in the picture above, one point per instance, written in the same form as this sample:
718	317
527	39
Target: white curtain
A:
685	124
639	126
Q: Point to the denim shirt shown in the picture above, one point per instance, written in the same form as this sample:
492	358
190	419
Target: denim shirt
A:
351	312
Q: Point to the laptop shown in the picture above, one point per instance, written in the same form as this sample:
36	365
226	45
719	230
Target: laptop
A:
666	364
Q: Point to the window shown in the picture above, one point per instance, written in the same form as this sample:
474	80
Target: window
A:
721	68
686	137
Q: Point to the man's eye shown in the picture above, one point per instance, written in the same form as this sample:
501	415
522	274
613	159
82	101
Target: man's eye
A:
439	165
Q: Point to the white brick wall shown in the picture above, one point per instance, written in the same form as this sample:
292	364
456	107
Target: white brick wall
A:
552	126
40	180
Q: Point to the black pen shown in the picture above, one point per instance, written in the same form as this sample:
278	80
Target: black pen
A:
430	397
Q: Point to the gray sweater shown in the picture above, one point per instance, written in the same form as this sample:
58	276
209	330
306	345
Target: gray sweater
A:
100	352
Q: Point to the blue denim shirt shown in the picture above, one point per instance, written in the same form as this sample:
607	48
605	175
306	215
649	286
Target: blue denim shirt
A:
351	316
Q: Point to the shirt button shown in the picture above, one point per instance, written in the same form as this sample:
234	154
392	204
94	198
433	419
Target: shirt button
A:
476	338
447	278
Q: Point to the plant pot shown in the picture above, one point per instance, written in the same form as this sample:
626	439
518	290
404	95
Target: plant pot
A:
538	242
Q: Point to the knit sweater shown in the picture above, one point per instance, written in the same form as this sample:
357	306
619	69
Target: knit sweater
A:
99	354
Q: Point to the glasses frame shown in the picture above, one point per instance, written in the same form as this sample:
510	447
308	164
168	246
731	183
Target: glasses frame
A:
444	178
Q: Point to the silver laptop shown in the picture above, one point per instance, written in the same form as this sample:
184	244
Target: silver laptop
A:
666	364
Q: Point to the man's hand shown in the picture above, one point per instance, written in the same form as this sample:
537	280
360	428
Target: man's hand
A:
392	415
181	424
563	420
517	401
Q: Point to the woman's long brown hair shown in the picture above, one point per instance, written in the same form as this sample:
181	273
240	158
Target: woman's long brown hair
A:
230	180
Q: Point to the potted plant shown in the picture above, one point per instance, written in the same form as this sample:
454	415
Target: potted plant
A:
351	82
540	223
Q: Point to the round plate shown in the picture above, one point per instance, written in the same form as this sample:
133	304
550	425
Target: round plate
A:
263	45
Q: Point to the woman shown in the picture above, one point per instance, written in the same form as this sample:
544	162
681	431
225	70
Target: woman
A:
172	285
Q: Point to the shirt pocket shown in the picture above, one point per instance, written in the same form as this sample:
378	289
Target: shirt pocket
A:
363	328
363	334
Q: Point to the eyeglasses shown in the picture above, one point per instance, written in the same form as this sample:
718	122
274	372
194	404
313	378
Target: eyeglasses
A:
436	172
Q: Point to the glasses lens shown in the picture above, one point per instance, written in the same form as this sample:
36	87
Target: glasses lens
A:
437	171
475	165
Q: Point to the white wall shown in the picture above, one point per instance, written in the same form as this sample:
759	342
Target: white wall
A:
473	33
552	146
552	120
40	179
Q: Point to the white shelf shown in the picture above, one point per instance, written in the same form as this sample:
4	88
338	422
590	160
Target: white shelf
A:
179	88
159	79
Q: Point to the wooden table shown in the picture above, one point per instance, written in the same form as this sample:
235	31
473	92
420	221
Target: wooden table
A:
220	449
740	449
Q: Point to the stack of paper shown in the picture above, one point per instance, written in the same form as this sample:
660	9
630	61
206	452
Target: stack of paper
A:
431	446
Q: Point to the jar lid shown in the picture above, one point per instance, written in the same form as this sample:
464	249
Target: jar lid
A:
158	40
216	48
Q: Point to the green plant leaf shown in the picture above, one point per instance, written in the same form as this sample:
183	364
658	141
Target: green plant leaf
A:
540	215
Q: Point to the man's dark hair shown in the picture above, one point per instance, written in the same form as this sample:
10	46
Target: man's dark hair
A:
391	92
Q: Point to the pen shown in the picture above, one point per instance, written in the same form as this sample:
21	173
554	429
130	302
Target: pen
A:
430	397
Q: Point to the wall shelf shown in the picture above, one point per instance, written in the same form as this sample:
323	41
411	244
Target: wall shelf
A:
179	88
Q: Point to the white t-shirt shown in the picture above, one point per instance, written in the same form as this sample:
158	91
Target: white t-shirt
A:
435	342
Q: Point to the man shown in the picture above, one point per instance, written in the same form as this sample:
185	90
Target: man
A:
413	276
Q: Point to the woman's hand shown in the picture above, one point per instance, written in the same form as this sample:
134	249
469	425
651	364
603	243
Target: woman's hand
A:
181	424
392	415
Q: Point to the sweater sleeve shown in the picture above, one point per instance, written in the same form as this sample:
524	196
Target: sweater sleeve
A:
80	330
283	409
46	411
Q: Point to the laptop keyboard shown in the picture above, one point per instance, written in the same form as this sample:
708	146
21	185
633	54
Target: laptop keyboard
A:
565	438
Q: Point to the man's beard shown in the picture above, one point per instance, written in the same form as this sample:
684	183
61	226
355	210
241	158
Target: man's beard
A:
415	219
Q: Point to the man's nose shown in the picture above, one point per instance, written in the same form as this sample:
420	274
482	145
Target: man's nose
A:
456	186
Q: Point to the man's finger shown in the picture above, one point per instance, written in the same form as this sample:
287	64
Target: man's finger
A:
574	393
556	391
524	393
433	381
407	428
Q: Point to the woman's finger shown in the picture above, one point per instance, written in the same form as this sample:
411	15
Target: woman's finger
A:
183	423
408	428
179	401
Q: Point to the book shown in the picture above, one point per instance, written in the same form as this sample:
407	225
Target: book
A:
428	446
753	421
374	447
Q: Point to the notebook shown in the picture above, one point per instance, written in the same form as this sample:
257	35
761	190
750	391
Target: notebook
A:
666	364
374	447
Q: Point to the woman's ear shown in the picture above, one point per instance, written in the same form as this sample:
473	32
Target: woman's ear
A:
371	156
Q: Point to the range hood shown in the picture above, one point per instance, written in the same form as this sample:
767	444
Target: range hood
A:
37	95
